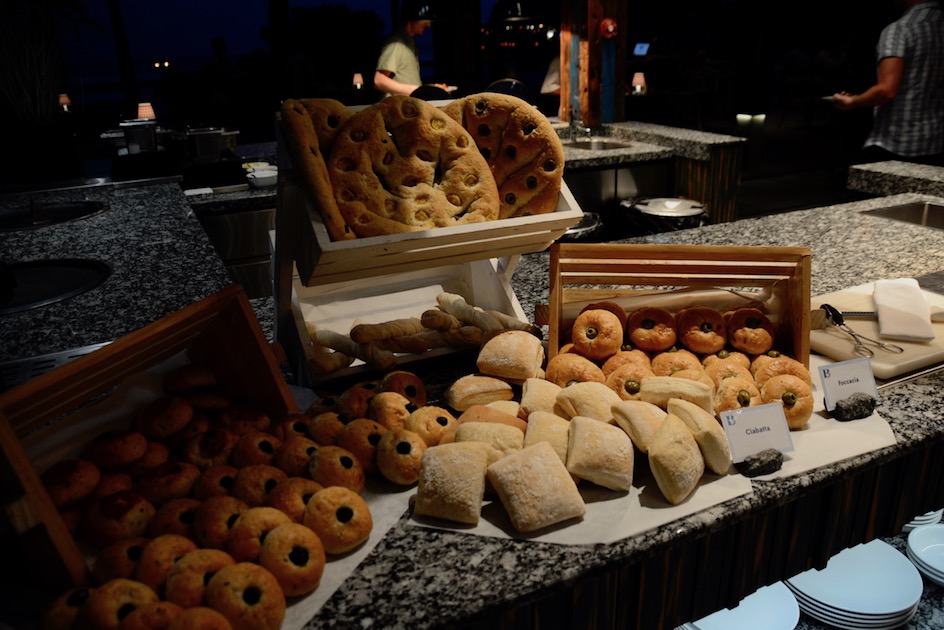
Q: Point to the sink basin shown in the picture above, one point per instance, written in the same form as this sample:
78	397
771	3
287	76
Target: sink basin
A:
919	213
32	284
40	214
598	144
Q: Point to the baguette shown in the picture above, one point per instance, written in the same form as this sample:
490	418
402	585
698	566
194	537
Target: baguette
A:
366	333
456	305
367	353
437	319
418	343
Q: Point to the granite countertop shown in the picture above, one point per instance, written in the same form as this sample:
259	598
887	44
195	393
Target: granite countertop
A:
892	177
419	577
445	577
161	261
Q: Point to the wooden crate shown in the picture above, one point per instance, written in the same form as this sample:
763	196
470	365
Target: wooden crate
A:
320	260
220	331
677	275
483	283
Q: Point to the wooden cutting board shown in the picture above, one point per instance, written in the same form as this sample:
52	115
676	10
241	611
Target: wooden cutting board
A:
836	344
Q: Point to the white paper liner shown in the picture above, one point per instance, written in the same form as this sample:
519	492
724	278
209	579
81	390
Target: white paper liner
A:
826	440
610	516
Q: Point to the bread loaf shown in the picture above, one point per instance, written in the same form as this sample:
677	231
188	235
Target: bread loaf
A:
451	484
675	460
707	432
476	389
600	453
640	420
513	354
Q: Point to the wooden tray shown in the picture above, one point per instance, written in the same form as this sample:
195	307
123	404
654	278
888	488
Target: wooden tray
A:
320	260
679	275
220	331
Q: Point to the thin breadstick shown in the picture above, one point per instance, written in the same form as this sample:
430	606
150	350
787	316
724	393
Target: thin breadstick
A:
368	353
365	333
513	323
456	305
325	361
436	319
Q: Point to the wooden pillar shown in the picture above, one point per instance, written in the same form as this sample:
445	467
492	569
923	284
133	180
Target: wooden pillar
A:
593	67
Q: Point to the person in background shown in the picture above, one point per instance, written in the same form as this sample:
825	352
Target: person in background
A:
398	68
908	95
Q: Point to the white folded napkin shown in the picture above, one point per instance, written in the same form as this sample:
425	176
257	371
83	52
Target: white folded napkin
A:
903	311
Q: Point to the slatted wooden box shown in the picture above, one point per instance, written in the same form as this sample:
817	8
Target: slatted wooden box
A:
220	331
319	260
776	278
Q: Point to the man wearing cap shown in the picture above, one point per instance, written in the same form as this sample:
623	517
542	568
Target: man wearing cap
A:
398	68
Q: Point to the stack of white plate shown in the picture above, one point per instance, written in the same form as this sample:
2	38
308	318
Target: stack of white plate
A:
926	551
868	586
925	519
771	607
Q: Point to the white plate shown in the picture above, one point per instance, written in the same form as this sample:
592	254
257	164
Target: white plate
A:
926	571
873	579
830	615
771	607
927	544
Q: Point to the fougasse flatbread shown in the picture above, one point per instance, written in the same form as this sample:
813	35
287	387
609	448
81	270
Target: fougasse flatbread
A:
403	165
301	137
327	117
522	149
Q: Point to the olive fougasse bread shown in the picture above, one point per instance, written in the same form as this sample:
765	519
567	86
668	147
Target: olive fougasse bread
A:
404	165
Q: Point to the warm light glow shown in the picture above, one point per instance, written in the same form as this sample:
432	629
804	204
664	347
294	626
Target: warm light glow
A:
358	80
146	111
167	64
157	64
743	119
639	83
65	102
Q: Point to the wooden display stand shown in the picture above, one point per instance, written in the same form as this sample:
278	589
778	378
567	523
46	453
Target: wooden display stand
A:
481	257
220	331
585	273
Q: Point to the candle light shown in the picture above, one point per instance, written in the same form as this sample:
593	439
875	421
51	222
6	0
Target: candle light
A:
358	81
65	102
639	83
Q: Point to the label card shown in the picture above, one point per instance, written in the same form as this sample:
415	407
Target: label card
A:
753	429
840	380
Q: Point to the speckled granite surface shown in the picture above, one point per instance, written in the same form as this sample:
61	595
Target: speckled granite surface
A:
893	177
161	261
418	578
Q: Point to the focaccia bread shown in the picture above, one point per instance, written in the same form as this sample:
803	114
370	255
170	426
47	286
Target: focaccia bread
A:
535	488
310	160
523	150
402	165
327	117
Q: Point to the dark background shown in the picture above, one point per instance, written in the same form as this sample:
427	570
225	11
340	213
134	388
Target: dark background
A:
213	63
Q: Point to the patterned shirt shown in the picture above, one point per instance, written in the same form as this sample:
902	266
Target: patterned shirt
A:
912	124
399	56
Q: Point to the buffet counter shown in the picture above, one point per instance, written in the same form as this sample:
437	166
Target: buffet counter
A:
893	177
418	577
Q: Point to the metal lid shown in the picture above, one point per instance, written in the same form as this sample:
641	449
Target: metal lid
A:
669	207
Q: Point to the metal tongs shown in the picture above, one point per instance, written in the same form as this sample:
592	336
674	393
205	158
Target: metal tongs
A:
834	316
